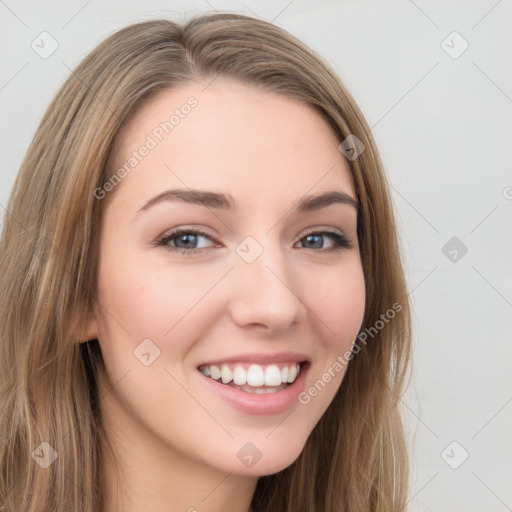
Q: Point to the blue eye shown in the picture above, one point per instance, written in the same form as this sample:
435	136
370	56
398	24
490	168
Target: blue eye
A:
341	241
186	241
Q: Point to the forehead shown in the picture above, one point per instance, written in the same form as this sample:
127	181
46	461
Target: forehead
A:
235	138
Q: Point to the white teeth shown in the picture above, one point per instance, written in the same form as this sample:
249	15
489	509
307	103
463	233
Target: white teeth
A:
272	376
227	374
239	375
256	375
262	391
215	372
292	374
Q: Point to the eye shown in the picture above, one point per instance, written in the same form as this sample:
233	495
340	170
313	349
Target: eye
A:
183	240
315	240
187	241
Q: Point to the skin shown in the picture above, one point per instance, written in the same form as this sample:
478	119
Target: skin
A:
175	440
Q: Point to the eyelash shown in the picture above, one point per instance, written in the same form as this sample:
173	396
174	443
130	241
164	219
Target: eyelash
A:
343	242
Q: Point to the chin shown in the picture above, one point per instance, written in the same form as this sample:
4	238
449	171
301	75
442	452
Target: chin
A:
270	463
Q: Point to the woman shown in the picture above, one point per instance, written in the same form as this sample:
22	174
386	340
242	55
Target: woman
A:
204	302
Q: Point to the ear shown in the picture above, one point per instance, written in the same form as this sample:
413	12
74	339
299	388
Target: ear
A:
90	330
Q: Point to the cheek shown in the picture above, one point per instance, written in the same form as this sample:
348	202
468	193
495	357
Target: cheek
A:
337	305
338	302
162	302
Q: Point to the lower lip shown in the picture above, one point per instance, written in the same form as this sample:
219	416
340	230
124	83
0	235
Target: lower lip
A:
252	403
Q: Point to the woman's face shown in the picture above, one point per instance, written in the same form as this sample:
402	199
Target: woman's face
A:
256	281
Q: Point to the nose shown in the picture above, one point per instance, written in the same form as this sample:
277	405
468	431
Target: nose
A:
264	294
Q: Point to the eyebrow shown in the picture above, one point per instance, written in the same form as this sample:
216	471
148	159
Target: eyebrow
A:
218	200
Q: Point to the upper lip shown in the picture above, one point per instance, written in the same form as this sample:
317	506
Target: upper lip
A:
262	359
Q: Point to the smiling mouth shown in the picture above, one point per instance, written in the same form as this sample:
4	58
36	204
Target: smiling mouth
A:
255	378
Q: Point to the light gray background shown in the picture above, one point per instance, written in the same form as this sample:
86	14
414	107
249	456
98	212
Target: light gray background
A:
443	126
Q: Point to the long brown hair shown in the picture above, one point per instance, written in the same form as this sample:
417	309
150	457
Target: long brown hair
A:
355	459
